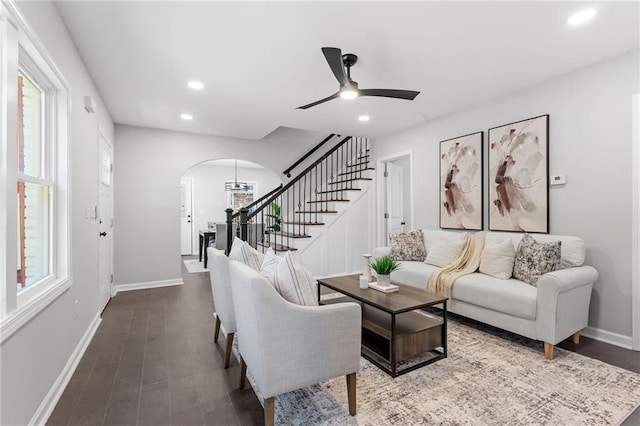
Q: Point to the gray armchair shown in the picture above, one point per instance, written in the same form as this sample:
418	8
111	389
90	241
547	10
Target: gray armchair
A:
221	289
287	346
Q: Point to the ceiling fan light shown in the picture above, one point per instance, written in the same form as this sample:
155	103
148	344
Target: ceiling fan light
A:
348	93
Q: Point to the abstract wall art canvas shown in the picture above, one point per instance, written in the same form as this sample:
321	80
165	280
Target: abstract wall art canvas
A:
461	182
518	176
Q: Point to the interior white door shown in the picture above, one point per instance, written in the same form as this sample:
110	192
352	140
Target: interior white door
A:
186	217
105	220
394	188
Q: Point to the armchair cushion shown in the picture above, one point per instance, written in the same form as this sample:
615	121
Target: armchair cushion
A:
294	282
243	252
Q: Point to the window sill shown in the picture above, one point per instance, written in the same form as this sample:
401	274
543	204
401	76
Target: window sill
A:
23	314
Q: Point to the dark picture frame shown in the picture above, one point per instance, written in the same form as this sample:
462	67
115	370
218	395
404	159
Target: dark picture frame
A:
519	176
461	182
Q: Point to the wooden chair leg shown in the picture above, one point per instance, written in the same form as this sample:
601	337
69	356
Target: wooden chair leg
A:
227	352
269	411
548	350
217	332
351	392
576	338
243	373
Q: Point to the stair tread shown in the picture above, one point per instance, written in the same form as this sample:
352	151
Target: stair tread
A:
362	163
331	191
328	201
295	222
277	234
317	211
348	180
355	171
278	247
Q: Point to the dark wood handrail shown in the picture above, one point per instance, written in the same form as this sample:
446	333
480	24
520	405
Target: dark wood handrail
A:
311	151
295	180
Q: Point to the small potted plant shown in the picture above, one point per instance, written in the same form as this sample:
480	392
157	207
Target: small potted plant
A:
383	268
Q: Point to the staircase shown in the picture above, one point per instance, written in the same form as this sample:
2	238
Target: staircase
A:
297	217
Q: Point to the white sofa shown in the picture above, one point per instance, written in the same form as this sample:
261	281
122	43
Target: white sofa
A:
558	307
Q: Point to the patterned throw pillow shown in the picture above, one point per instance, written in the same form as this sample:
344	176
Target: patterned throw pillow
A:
534	259
408	246
294	282
497	259
243	252
443	252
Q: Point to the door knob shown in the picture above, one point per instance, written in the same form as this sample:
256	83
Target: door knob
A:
103	234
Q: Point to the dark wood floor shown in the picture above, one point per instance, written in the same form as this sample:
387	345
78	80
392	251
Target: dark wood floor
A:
153	361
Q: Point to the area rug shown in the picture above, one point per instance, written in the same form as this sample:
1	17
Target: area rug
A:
194	266
486	380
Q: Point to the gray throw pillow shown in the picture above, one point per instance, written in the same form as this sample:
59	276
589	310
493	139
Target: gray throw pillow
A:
408	246
534	259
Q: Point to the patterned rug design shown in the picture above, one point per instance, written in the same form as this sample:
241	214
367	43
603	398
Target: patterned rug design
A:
488	379
194	266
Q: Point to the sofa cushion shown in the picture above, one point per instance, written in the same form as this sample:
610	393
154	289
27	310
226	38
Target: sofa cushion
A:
572	251
497	259
511	296
243	252
534	259
408	246
432	236
294	282
414	274
269	264
443	252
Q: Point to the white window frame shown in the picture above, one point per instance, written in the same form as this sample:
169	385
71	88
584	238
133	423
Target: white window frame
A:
21	48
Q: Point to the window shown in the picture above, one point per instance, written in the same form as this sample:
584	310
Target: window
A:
35	237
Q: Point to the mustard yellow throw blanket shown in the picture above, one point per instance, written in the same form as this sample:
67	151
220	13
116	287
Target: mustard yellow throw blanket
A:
467	262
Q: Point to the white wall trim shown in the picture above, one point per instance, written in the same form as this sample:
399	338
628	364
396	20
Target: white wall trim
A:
380	185
635	223
21	316
49	402
607	337
149	284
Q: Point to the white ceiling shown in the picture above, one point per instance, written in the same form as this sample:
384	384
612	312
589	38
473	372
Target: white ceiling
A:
259	61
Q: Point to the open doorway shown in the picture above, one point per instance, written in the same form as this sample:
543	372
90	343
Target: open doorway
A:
395	195
218	185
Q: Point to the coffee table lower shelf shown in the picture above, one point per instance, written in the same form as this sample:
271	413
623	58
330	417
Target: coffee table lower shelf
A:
400	343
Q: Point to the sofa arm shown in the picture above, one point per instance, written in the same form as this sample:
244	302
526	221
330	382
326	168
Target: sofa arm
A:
378	252
563	302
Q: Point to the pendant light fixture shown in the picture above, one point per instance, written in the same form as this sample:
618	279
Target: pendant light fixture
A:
235	185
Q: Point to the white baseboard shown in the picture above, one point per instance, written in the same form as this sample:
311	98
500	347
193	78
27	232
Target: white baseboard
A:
607	337
148	284
49	402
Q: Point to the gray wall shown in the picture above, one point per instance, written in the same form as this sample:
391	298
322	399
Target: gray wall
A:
149	164
34	356
590	142
210	198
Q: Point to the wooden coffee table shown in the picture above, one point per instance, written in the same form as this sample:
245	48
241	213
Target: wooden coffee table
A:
401	331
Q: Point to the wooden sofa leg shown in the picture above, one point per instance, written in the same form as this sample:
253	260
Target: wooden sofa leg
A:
351	392
217	332
269	411
227	352
243	373
576	338
548	350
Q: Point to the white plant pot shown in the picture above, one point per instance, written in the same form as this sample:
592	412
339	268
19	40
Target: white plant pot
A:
384	280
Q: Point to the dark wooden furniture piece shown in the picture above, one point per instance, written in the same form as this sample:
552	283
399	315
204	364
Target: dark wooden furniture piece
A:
395	326
205	236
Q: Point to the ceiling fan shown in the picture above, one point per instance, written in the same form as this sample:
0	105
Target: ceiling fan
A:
341	66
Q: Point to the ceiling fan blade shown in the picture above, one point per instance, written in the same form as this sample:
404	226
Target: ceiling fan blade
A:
335	95
333	55
390	93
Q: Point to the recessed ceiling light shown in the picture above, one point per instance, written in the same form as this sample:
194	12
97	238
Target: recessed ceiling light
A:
187	117
581	17
195	85
364	118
